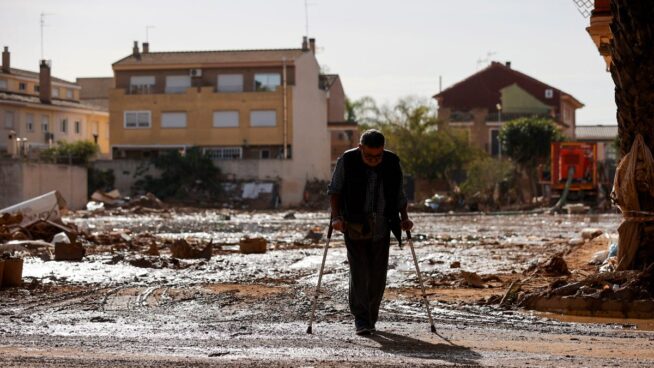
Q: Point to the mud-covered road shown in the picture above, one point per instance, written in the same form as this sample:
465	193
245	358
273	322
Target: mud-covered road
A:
251	310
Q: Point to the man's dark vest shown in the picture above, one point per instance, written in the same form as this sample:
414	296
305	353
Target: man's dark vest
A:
355	187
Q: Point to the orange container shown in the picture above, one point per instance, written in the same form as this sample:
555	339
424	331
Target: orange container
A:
13	272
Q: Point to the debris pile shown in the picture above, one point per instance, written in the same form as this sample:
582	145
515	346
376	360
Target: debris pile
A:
315	195
253	245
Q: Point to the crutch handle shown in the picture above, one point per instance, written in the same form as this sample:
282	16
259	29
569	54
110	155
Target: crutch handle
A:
330	229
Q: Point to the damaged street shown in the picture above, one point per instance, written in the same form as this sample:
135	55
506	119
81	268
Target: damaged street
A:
130	302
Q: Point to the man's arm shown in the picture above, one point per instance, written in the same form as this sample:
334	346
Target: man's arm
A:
335	189
337	219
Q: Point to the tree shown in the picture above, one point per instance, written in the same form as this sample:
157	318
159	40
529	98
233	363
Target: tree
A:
364	111
78	152
487	176
190	177
411	130
632	55
527	142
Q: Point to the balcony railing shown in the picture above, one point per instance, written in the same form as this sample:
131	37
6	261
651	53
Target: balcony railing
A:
495	117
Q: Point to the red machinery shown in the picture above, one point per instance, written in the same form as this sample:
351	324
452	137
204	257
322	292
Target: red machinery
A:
579	159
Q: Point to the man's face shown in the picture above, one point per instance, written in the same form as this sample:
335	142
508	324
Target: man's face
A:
371	156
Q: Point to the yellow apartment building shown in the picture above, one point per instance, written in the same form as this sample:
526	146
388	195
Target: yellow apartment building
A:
38	110
260	114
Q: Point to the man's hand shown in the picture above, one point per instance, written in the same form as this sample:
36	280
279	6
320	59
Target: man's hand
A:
338	224
406	225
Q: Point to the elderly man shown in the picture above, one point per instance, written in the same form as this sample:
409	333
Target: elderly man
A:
367	204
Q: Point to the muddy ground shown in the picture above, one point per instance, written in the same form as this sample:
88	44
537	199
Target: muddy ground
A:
252	310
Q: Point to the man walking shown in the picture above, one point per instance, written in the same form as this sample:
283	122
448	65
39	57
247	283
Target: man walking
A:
367	204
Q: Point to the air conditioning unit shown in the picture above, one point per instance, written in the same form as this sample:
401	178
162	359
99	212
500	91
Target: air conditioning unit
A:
195	72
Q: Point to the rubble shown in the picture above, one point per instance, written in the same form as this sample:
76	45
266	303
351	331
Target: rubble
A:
591	233
253	245
314	234
182	249
12	274
109	199
147	200
48	206
66	251
472	279
576	208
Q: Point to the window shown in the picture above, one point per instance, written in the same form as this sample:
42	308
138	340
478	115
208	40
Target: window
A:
29	122
177	83
9	120
78	127
55	92
37	88
266	81
225	119
22	86
63	126
141	84
173	120
265	154
45	121
137	119
69	93
263	118
230	83
225	153
549	93
3	84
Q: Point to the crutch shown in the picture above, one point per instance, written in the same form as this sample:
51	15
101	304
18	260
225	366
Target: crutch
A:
422	287
322	267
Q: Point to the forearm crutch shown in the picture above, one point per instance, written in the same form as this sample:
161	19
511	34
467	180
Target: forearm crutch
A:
322	267
422	287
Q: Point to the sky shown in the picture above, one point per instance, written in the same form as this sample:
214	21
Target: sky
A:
381	48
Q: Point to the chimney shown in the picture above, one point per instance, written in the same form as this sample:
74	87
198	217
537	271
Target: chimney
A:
135	50
6	67
45	82
312	45
508	64
146	47
305	44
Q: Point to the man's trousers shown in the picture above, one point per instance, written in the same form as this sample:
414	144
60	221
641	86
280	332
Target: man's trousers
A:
368	261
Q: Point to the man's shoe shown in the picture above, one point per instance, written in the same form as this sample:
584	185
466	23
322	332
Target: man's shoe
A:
361	327
363	331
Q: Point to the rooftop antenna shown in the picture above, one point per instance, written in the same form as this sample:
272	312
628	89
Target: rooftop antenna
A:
485	60
43	15
147	33
306	17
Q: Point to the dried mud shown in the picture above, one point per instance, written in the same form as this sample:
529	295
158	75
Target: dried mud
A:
252	310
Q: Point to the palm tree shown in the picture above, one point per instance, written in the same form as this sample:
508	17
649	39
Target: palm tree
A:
632	69
632	51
